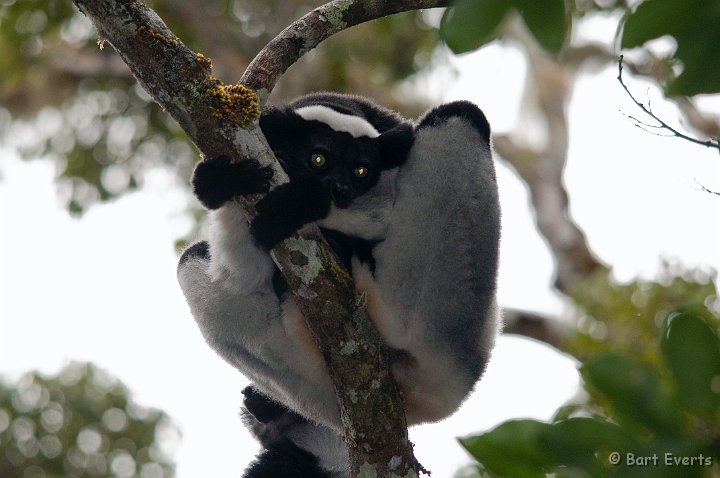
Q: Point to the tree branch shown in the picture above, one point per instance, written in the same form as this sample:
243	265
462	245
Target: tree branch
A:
306	33
710	143
547	330
222	119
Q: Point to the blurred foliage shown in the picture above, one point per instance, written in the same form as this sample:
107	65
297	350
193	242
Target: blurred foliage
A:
693	25
63	98
692	69
650	353
472	23
627	317
27	29
80	423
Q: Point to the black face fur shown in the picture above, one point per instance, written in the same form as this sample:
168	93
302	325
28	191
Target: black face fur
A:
346	166
326	167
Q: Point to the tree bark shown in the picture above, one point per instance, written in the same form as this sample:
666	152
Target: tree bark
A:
306	33
222	119
542	169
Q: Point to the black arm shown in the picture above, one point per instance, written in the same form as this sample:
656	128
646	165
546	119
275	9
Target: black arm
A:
287	208
218	180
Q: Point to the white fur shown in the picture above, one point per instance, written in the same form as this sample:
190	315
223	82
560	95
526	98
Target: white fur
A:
354	125
234	253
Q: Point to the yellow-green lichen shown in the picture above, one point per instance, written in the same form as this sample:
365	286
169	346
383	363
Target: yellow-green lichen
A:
352	395
143	30
204	61
336	269
348	348
367	471
390	403
233	103
334	15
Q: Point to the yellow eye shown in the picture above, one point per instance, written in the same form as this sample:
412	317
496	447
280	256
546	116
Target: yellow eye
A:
361	171
317	160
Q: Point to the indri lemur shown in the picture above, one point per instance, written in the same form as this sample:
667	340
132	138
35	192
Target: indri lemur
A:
412	211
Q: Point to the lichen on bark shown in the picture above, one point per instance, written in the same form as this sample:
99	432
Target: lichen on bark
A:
234	103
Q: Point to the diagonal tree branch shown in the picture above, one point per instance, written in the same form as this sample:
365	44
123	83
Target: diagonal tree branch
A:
306	33
222	119
548	330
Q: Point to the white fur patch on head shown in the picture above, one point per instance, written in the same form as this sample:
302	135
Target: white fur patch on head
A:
354	125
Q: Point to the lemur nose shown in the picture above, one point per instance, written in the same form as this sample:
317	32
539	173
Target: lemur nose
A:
340	191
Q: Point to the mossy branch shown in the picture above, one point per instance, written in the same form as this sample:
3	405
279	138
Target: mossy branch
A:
222	119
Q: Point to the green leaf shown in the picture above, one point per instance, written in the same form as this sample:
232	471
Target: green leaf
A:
655	18
585	443
471	24
634	391
697	49
513	449
547	21
529	449
695	26
692	351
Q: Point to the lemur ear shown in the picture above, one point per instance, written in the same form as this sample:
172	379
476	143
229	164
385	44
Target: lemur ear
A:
281	126
395	145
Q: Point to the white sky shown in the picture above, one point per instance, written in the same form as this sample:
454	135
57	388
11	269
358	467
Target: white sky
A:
103	288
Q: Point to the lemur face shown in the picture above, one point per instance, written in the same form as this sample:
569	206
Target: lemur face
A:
346	166
345	152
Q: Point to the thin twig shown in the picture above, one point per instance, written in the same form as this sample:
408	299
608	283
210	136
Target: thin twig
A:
710	143
703	188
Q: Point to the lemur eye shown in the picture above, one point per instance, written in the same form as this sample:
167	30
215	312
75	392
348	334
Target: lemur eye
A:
317	160
361	172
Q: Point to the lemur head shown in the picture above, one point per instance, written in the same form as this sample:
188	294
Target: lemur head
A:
337	145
